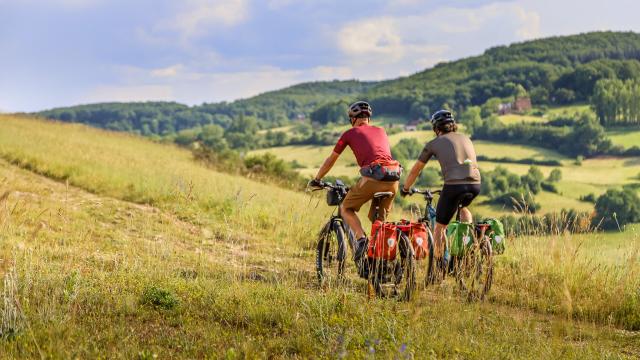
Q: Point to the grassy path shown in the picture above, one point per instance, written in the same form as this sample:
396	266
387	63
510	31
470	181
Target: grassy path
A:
165	257
84	264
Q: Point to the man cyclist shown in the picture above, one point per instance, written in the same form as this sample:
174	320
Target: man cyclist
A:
457	158
380	172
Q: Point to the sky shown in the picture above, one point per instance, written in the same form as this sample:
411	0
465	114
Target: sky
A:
68	52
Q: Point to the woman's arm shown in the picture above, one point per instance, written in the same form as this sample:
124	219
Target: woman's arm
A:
328	164
413	175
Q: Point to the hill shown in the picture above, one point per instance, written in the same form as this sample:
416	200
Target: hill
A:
558	70
137	251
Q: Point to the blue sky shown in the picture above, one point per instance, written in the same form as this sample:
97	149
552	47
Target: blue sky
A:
67	52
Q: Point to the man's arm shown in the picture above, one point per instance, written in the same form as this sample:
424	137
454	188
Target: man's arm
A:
413	175
328	164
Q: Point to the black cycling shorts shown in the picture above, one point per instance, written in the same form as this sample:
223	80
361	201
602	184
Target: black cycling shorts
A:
451	197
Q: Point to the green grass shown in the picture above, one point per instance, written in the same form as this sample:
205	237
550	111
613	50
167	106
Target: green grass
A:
625	137
141	251
511	119
570	110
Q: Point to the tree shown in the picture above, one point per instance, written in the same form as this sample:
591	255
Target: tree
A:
616	208
406	149
330	113
555	175
212	136
532	180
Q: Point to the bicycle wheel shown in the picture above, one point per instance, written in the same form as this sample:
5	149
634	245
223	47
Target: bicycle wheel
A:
406	274
331	254
474	270
433	276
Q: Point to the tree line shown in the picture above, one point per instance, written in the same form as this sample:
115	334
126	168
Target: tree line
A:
560	70
617	102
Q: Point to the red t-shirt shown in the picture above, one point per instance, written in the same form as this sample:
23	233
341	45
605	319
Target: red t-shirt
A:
368	143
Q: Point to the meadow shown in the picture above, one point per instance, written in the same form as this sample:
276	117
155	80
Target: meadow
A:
155	255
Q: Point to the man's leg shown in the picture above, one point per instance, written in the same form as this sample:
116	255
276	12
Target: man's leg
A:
439	238
351	218
465	215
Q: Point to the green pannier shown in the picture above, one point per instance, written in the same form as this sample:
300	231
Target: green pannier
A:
497	235
460	235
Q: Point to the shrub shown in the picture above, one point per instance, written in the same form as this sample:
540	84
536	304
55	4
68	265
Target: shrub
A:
550	187
159	298
616	208
589	198
555	176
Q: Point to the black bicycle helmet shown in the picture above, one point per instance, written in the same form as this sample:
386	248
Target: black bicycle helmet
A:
360	109
442	117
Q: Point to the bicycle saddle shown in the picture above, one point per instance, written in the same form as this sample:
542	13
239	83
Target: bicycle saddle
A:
382	195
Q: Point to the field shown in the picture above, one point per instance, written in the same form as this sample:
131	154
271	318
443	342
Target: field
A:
515	118
593	176
154	255
625	137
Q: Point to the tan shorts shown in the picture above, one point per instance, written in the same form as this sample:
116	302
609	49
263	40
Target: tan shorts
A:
363	191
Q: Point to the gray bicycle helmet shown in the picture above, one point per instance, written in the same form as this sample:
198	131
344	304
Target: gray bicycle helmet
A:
442	117
360	109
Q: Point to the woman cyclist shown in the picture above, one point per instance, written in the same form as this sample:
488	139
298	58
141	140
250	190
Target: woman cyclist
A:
457	158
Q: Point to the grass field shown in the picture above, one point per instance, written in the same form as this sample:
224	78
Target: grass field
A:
593	176
139	252
511	119
570	110
625	138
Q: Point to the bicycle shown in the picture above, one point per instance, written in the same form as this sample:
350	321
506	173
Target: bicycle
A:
382	268
331	240
471	264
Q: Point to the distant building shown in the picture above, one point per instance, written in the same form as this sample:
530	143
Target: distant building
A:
412	125
520	105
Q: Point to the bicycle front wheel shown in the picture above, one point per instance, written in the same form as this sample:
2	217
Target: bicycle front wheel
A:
474	270
331	254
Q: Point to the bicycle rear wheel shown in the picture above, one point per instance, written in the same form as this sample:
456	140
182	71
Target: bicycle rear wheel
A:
474	270
331	254
434	275
407	281
394	278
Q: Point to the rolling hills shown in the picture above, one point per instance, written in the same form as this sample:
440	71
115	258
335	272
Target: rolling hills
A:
155	255
558	70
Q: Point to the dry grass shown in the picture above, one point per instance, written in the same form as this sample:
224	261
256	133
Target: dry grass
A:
204	265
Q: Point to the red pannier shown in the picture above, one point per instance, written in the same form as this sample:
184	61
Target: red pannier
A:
384	241
417	233
419	240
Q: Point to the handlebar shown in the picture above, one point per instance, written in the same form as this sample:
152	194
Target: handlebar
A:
329	186
427	193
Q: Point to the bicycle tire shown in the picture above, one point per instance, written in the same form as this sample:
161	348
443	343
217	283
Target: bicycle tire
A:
430	277
408	264
474	270
330	247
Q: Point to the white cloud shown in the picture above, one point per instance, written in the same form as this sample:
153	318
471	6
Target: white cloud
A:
466	20
169	71
377	37
196	17
180	83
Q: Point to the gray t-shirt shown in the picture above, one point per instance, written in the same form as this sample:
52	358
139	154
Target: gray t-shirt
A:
457	158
